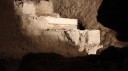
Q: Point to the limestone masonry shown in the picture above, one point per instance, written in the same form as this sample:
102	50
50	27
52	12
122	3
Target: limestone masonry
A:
41	17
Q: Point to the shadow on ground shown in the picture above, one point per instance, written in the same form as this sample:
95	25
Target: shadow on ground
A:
112	59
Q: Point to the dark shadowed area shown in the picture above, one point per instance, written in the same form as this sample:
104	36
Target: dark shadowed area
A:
113	14
112	59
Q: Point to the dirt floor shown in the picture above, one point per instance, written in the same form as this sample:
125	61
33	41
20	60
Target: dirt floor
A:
112	59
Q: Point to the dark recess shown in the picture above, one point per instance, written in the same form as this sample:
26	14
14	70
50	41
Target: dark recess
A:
114	14
80	26
112	59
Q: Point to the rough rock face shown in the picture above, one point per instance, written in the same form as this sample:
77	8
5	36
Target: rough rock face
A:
86	12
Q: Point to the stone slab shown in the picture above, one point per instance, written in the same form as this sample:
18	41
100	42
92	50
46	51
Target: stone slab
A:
61	21
93	37
61	27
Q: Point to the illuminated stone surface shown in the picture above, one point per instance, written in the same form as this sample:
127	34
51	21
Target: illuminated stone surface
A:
59	21
28	8
94	37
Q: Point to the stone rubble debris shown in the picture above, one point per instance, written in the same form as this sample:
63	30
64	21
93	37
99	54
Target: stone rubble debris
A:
42	17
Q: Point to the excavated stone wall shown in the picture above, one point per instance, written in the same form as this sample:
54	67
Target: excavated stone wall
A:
37	24
15	45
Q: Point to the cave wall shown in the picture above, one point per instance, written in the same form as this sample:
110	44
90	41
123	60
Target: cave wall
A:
113	14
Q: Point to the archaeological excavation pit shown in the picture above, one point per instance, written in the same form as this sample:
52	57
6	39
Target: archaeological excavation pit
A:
55	35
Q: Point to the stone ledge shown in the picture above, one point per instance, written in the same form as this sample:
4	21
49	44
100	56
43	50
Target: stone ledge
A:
61	21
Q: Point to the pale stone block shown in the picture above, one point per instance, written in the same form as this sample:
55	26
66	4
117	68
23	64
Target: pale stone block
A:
61	21
44	8
61	27
37	22
93	37
28	8
93	49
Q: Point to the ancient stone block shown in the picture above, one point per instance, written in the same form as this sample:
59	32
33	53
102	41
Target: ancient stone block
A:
28	8
93	37
61	27
44	8
37	22
61	21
